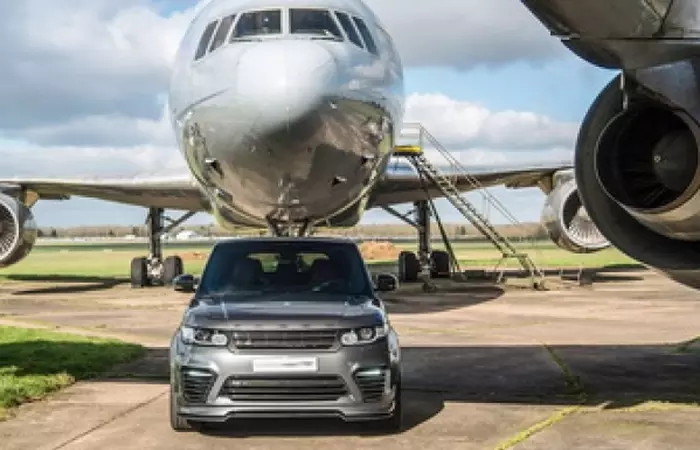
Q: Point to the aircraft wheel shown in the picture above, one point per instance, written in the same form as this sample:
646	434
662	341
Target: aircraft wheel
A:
439	264
172	268
409	266
139	273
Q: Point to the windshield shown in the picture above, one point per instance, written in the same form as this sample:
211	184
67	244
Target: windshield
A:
313	21
252	268
257	23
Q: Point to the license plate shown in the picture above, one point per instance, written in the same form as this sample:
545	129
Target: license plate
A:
285	365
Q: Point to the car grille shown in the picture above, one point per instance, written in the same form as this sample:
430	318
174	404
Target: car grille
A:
284	340
284	389
196	384
371	383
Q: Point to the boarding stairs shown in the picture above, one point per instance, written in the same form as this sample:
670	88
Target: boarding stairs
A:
446	184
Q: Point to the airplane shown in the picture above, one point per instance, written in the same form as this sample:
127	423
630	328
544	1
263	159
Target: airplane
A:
636	156
287	114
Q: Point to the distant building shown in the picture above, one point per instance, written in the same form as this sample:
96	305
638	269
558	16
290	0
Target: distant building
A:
186	235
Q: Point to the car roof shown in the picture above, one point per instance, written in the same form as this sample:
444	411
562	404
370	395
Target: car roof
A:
285	240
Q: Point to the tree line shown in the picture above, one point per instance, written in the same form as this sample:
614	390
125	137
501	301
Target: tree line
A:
453	231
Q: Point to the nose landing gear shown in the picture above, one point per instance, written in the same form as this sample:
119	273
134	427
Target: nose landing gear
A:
153	270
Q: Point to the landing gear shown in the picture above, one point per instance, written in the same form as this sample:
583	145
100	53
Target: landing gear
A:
430	264
409	266
287	229
440	264
154	270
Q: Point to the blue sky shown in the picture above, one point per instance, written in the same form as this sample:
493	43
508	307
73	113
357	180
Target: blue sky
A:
551	83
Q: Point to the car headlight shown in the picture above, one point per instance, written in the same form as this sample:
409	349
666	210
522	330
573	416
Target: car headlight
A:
202	336
364	335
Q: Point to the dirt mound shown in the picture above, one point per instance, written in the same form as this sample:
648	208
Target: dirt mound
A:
194	256
372	250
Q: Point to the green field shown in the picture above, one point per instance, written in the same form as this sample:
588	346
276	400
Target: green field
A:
34	363
113	260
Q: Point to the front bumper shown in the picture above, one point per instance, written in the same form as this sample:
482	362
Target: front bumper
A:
351	383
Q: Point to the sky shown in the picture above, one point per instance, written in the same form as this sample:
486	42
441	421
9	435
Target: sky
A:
84	87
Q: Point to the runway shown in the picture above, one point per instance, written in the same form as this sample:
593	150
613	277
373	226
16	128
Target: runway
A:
609	366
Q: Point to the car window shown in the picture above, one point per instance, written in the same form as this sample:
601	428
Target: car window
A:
285	267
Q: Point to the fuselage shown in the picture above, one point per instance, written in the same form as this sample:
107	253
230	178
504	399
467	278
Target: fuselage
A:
286	111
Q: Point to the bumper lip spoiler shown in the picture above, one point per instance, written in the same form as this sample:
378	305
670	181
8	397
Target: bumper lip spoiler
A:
289	414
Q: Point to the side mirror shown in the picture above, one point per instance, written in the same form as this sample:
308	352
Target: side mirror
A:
185	283
386	282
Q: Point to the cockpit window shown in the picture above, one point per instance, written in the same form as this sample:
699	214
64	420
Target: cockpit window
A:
204	41
349	28
256	23
222	32
364	31
313	21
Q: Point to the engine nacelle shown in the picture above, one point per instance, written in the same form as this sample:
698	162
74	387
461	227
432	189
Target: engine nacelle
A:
18	231
566	220
638	175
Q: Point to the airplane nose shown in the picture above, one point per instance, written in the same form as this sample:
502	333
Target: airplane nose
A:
281	82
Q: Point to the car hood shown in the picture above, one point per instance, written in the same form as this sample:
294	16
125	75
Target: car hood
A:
289	311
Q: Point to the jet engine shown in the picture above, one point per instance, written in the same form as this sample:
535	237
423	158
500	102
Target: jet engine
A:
637	172
566	220
18	230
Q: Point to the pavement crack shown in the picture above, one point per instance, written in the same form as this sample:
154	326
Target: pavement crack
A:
108	421
685	346
573	382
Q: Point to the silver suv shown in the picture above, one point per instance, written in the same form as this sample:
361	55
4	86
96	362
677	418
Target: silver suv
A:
285	327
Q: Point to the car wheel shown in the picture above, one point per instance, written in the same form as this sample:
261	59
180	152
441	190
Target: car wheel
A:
177	423
393	424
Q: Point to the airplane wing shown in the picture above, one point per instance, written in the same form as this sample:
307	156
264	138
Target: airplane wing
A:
179	193
402	186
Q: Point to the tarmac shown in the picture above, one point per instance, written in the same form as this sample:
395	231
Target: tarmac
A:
613	365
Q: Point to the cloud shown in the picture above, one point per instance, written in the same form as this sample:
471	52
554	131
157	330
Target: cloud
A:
100	130
83	82
75	58
465	34
462	124
30	160
94	72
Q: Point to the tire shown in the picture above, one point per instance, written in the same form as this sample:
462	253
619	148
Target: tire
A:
139	273
394	423
409	266
172	268
177	423
440	264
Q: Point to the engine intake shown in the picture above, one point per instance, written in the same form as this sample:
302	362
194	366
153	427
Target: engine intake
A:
18	231
636	173
647	160
567	222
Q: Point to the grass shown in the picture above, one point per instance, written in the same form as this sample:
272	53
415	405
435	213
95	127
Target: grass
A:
113	260
35	362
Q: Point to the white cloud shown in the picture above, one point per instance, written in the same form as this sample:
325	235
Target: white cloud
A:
29	160
85	83
466	33
70	59
459	124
